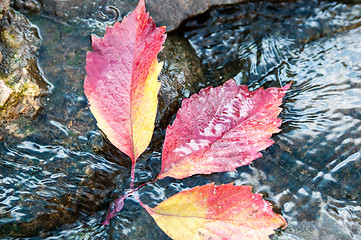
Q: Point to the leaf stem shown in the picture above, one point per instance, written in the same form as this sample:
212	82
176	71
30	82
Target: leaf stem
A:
118	204
132	174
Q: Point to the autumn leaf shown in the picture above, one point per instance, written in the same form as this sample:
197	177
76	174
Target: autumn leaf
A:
121	83
216	212
220	129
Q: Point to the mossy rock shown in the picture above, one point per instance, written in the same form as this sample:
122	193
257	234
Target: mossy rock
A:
22	86
4	7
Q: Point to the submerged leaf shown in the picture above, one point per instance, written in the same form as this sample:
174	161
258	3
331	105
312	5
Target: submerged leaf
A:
220	129
216	212
121	83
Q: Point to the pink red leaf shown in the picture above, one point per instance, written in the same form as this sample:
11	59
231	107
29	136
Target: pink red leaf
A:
121	83
220	129
216	212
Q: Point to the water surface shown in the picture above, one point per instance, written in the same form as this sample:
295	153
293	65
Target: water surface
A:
58	180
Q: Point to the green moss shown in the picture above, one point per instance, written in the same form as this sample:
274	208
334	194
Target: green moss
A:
11	81
68	29
75	59
10	39
8	229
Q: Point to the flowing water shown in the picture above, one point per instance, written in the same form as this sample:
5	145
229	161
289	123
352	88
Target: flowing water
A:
58	180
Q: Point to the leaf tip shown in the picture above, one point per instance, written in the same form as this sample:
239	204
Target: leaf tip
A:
163	28
287	86
141	5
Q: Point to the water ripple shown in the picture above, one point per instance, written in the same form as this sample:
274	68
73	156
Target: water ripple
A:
251	40
43	182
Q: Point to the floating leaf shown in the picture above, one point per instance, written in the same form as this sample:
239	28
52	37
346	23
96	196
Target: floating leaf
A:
216	212
121	83
220	129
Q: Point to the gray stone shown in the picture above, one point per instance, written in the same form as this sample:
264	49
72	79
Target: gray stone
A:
171	13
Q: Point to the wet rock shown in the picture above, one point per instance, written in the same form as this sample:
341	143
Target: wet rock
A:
31	6
172	13
180	77
4	7
72	10
21	83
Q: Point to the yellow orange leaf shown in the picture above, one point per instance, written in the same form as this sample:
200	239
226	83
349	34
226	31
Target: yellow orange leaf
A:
216	212
121	83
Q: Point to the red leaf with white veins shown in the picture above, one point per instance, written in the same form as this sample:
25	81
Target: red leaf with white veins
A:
220	129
